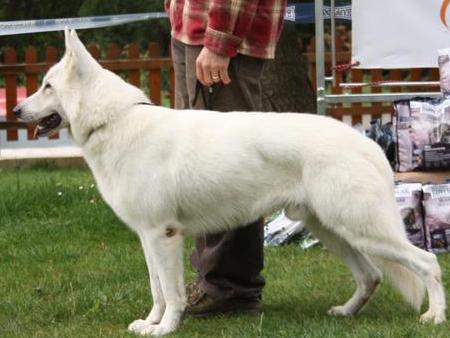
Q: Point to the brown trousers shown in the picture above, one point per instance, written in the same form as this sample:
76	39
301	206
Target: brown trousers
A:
229	264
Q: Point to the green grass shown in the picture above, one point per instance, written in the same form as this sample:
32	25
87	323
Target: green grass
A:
69	268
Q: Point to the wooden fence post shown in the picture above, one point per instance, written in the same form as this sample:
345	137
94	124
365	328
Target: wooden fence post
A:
93	49
134	75
416	75
395	75
10	57
154	82
31	78
376	75
51	56
357	76
113	52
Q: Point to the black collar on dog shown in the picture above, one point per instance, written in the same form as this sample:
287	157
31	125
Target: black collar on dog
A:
93	130
145	103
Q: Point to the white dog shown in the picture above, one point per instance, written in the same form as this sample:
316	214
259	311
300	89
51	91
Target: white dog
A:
167	173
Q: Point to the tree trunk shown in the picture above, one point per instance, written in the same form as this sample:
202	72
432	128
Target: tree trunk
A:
286	86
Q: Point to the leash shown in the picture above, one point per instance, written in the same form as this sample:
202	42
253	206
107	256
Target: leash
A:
207	99
207	96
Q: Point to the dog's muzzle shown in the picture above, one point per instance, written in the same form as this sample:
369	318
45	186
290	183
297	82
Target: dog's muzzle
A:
17	111
48	124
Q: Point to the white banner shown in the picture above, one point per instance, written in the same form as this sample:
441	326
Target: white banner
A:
50	25
399	33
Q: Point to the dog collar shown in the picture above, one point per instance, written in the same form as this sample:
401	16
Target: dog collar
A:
144	103
93	130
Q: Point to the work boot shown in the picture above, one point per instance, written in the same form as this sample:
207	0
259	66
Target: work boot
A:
201	305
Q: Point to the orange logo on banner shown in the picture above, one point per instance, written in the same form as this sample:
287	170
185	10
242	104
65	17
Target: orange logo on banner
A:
444	7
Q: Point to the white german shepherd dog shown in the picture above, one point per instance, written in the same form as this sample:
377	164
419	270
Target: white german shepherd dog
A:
167	173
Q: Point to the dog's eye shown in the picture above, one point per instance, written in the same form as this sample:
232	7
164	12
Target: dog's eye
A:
47	86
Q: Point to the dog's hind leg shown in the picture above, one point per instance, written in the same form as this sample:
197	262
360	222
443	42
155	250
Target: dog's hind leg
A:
356	201
382	239
367	276
378	232
164	246
400	252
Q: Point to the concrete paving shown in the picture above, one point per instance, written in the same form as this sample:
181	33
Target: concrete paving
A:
63	156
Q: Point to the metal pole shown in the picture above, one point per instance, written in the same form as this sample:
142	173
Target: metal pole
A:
333	40
382	97
320	58
390	84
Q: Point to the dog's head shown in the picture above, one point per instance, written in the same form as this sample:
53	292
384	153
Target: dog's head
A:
52	106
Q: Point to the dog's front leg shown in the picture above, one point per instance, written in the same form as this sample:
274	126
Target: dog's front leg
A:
159	304
164	248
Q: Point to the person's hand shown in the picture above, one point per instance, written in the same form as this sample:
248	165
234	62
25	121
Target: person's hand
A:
212	68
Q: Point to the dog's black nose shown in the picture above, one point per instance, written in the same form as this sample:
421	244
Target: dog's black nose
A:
17	111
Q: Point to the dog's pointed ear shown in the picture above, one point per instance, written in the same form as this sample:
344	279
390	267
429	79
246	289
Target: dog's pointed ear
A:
77	56
75	41
67	39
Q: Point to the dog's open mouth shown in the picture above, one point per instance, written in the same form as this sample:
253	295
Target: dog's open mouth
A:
48	124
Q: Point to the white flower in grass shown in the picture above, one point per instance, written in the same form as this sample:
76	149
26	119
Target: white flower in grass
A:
92	201
59	193
92	186
80	187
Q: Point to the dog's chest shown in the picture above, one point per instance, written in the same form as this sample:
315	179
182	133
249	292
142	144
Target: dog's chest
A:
116	193
119	198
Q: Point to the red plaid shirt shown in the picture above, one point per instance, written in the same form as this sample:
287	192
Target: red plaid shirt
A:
249	27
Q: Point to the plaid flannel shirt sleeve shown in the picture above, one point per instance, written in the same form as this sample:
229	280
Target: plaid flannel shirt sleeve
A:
228	23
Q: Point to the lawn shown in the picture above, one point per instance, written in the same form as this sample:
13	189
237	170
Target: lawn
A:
70	268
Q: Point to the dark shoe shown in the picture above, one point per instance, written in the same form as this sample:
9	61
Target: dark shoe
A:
200	305
193	291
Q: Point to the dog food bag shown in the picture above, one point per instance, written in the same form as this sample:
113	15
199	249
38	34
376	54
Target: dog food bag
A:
444	70
436	202
384	135
402	125
436	119
409	201
423	134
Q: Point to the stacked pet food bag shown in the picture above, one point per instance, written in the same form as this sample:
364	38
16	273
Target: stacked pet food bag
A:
422	143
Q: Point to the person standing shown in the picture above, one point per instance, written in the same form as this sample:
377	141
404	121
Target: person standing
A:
225	44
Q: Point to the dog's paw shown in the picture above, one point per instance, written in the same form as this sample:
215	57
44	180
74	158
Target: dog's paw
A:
138	325
144	328
339	311
434	316
158	330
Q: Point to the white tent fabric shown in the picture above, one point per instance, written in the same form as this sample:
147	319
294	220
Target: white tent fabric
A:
399	33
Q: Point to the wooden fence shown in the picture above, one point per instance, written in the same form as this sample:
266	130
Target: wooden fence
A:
129	62
357	112
135	66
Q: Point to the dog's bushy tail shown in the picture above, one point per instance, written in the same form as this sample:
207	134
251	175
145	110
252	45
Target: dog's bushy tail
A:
408	284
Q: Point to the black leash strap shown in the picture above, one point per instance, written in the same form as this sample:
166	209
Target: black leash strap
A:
145	103
208	98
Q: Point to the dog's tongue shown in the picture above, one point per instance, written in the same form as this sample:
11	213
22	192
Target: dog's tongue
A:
46	125
35	132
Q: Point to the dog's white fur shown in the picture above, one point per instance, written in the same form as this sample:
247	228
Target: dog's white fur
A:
167	172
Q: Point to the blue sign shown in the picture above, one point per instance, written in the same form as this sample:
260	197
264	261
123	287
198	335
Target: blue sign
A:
304	13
